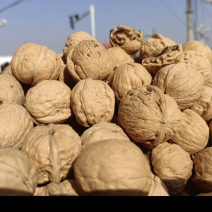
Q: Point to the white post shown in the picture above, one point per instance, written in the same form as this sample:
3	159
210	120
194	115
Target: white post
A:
190	32
92	11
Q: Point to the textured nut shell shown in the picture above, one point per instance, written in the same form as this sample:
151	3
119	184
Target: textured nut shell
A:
89	59
18	174
40	191
15	124
203	106
153	45
34	63
193	132
198	61
203	170
200	47
74	39
66	77
102	131
52	149
149	116
49	102
11	90
172	165
8	70
92	101
158	188
112	168
127	77
127	39
182	82
119	56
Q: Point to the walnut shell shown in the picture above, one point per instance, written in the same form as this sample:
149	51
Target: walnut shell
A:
34	63
203	106
155	44
172	165
18	174
200	47
49	102
127	39
102	131
203	170
158	188
205	195
209	81
11	90
128	76
8	70
198	61
193	132
182	82
52	149
149	116
66	188
89	59
92	101
74	39
112	168
15	124
119	56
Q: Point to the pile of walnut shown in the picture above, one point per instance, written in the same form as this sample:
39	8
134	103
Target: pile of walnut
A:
93	121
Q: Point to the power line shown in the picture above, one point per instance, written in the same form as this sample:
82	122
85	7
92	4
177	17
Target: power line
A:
172	12
11	5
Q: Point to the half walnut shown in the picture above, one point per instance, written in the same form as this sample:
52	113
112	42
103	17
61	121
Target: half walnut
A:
92	101
155	44
172	165
193	132
148	116
182	82
18	174
127	39
34	63
53	150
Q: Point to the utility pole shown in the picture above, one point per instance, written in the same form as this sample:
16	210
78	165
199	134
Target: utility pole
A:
75	18
190	30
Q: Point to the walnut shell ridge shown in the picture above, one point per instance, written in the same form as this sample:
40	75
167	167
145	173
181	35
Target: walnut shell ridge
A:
89	59
172	165
49	102
112	168
53	150
182	82
148	116
92	101
18	174
34	63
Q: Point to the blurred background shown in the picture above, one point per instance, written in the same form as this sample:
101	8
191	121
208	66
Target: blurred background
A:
50	22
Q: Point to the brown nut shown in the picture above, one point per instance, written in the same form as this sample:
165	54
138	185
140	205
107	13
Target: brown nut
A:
127	39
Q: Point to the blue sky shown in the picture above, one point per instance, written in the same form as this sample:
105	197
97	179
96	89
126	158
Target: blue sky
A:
46	22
